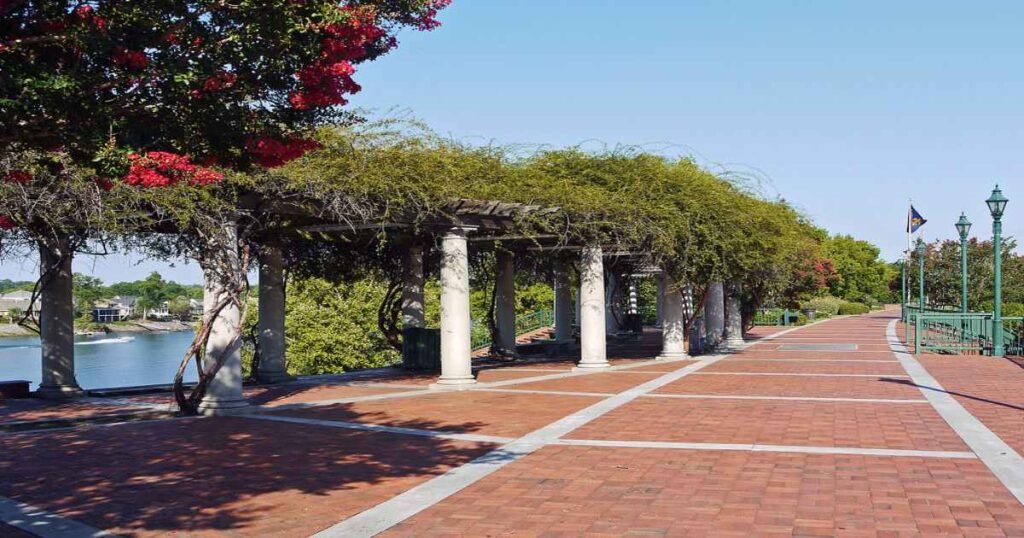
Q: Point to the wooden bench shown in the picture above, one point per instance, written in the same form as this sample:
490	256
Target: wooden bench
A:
17	388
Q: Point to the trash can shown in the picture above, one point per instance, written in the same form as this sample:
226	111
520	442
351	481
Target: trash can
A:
421	349
633	323
697	337
810	313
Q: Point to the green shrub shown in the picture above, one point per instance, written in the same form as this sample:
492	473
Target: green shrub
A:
825	306
853	309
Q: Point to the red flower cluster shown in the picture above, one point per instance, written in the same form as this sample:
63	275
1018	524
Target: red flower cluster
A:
220	81
132	60
88	15
326	81
6	223
18	176
161	169
271	153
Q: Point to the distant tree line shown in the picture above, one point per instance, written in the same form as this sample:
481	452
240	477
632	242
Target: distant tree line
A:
149	293
942	281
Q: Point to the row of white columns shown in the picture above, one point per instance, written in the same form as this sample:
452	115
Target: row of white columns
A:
224	395
722	317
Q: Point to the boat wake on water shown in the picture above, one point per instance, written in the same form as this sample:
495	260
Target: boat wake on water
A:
118	340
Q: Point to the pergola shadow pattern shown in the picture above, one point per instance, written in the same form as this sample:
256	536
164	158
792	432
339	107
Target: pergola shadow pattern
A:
811	443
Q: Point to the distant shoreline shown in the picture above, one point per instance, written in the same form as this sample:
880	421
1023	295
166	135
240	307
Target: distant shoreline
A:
9	330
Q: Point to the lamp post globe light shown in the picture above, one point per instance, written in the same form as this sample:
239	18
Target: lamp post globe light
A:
996	205
963	227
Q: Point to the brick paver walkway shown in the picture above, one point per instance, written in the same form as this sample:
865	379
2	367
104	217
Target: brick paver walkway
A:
818	431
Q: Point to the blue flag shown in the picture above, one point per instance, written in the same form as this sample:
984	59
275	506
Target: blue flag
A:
916	220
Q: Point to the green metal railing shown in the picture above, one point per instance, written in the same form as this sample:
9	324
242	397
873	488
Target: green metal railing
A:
773	317
480	335
946	331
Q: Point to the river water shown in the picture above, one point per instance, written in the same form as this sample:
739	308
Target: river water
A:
104	361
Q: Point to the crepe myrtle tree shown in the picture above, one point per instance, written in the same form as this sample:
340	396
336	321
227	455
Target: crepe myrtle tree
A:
103	103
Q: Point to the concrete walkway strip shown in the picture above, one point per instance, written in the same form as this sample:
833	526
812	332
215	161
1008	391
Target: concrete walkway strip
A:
413	501
439	434
851	451
549	392
744	359
788	374
783	398
999	457
44	524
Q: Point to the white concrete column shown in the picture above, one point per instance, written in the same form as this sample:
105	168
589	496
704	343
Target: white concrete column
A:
57	323
456	363
714	315
611	291
505	301
412	289
593	348
659	319
224	394
733	315
563	304
673	328
272	368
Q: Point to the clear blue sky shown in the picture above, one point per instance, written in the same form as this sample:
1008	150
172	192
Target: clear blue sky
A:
845	108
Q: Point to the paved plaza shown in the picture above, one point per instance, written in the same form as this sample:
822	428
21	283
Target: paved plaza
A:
825	430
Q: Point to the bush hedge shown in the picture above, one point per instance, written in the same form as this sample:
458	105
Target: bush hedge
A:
825	306
853	309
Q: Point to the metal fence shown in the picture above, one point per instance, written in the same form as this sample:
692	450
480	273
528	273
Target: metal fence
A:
480	334
945	331
773	317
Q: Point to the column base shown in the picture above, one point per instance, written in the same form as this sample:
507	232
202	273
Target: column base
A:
453	383
587	366
734	343
213	407
59	392
271	378
673	356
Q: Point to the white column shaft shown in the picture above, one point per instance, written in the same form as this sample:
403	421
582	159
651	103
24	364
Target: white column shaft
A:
714	314
733	315
593	348
563	304
505	302
673	328
611	292
224	394
456	364
272	366
56	320
659	320
412	289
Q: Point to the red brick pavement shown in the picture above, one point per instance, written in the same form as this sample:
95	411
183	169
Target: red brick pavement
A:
807	367
256	478
607	382
577	491
33	410
810	386
827	424
212	476
993	391
489	413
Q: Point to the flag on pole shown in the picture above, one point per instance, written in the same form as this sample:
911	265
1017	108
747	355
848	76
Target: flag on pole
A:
914	220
